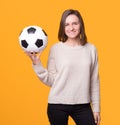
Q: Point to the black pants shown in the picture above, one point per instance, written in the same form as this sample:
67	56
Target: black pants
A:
81	113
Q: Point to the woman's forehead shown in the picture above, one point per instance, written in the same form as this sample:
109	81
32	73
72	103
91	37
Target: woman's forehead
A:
71	18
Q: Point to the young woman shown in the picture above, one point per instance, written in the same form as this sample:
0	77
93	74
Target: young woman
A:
72	74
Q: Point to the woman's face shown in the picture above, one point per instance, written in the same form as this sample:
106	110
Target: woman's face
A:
72	26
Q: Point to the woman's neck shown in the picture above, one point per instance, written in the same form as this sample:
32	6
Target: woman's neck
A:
73	42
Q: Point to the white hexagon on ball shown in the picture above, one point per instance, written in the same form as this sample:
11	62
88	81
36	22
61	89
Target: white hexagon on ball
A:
33	39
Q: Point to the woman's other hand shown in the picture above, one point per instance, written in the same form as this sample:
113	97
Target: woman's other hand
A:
97	118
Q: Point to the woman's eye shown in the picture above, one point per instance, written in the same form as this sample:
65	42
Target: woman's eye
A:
66	24
75	23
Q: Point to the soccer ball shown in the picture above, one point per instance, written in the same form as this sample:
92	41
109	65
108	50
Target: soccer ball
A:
33	39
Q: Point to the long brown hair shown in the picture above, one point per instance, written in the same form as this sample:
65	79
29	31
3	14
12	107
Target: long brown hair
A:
61	34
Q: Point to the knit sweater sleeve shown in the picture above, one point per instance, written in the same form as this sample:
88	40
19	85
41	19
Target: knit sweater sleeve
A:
95	83
46	75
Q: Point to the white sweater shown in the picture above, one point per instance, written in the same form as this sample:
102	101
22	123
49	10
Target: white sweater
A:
72	74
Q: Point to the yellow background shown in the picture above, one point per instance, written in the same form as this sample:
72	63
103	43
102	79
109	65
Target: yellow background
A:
23	98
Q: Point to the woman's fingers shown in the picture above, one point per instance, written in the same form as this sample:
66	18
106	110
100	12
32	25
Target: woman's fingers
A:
34	56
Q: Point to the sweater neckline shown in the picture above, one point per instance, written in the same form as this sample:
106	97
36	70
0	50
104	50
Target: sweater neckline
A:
71	47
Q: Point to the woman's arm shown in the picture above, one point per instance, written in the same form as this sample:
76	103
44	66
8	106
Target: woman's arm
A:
47	76
95	87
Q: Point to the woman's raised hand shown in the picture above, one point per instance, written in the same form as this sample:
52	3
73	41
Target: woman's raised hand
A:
35	57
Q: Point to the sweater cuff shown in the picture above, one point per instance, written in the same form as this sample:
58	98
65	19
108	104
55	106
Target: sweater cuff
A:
38	67
96	107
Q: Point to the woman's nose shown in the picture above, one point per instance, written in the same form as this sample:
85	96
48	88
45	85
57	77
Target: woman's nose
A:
71	28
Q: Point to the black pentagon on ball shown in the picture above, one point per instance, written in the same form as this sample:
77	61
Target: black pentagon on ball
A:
31	30
39	43
24	43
